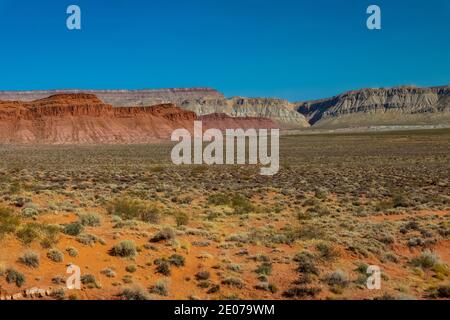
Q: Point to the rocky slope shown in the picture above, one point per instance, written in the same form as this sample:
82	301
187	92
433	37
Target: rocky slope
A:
84	119
369	107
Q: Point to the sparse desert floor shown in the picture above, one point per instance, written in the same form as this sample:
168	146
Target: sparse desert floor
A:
139	227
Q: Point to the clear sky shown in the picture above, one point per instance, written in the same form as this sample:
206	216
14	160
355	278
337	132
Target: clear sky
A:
285	48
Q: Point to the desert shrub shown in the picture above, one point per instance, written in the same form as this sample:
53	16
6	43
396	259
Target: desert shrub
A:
108	272
181	219
90	219
301	292
150	214
238	202
55	255
14	276
442	292
426	260
234	267
311	232
163	267
89	239
129	208
14	187
265	286
49	235
327	252
213	289
72	251
29	233
337	278
219	199
134	293
29	210
127	278
164	234
90	281
59	294
131	268
125	248
73	229
160	288
58	280
204	284
30	259
264	268
321	194
8	221
241	204
177	260
202	275
233	282
401	200
306	263
318	211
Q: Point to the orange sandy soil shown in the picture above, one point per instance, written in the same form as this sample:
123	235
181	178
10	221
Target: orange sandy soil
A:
182	283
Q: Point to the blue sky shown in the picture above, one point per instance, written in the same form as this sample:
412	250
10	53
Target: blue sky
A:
286	48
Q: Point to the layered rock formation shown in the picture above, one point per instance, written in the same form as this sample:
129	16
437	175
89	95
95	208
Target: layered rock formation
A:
361	108
278	110
202	101
84	119
374	107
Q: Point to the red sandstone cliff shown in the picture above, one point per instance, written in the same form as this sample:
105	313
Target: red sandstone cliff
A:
84	119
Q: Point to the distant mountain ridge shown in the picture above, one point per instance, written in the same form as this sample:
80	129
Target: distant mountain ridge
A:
202	101
390	106
405	105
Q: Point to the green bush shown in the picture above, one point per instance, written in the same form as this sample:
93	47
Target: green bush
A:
125	248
